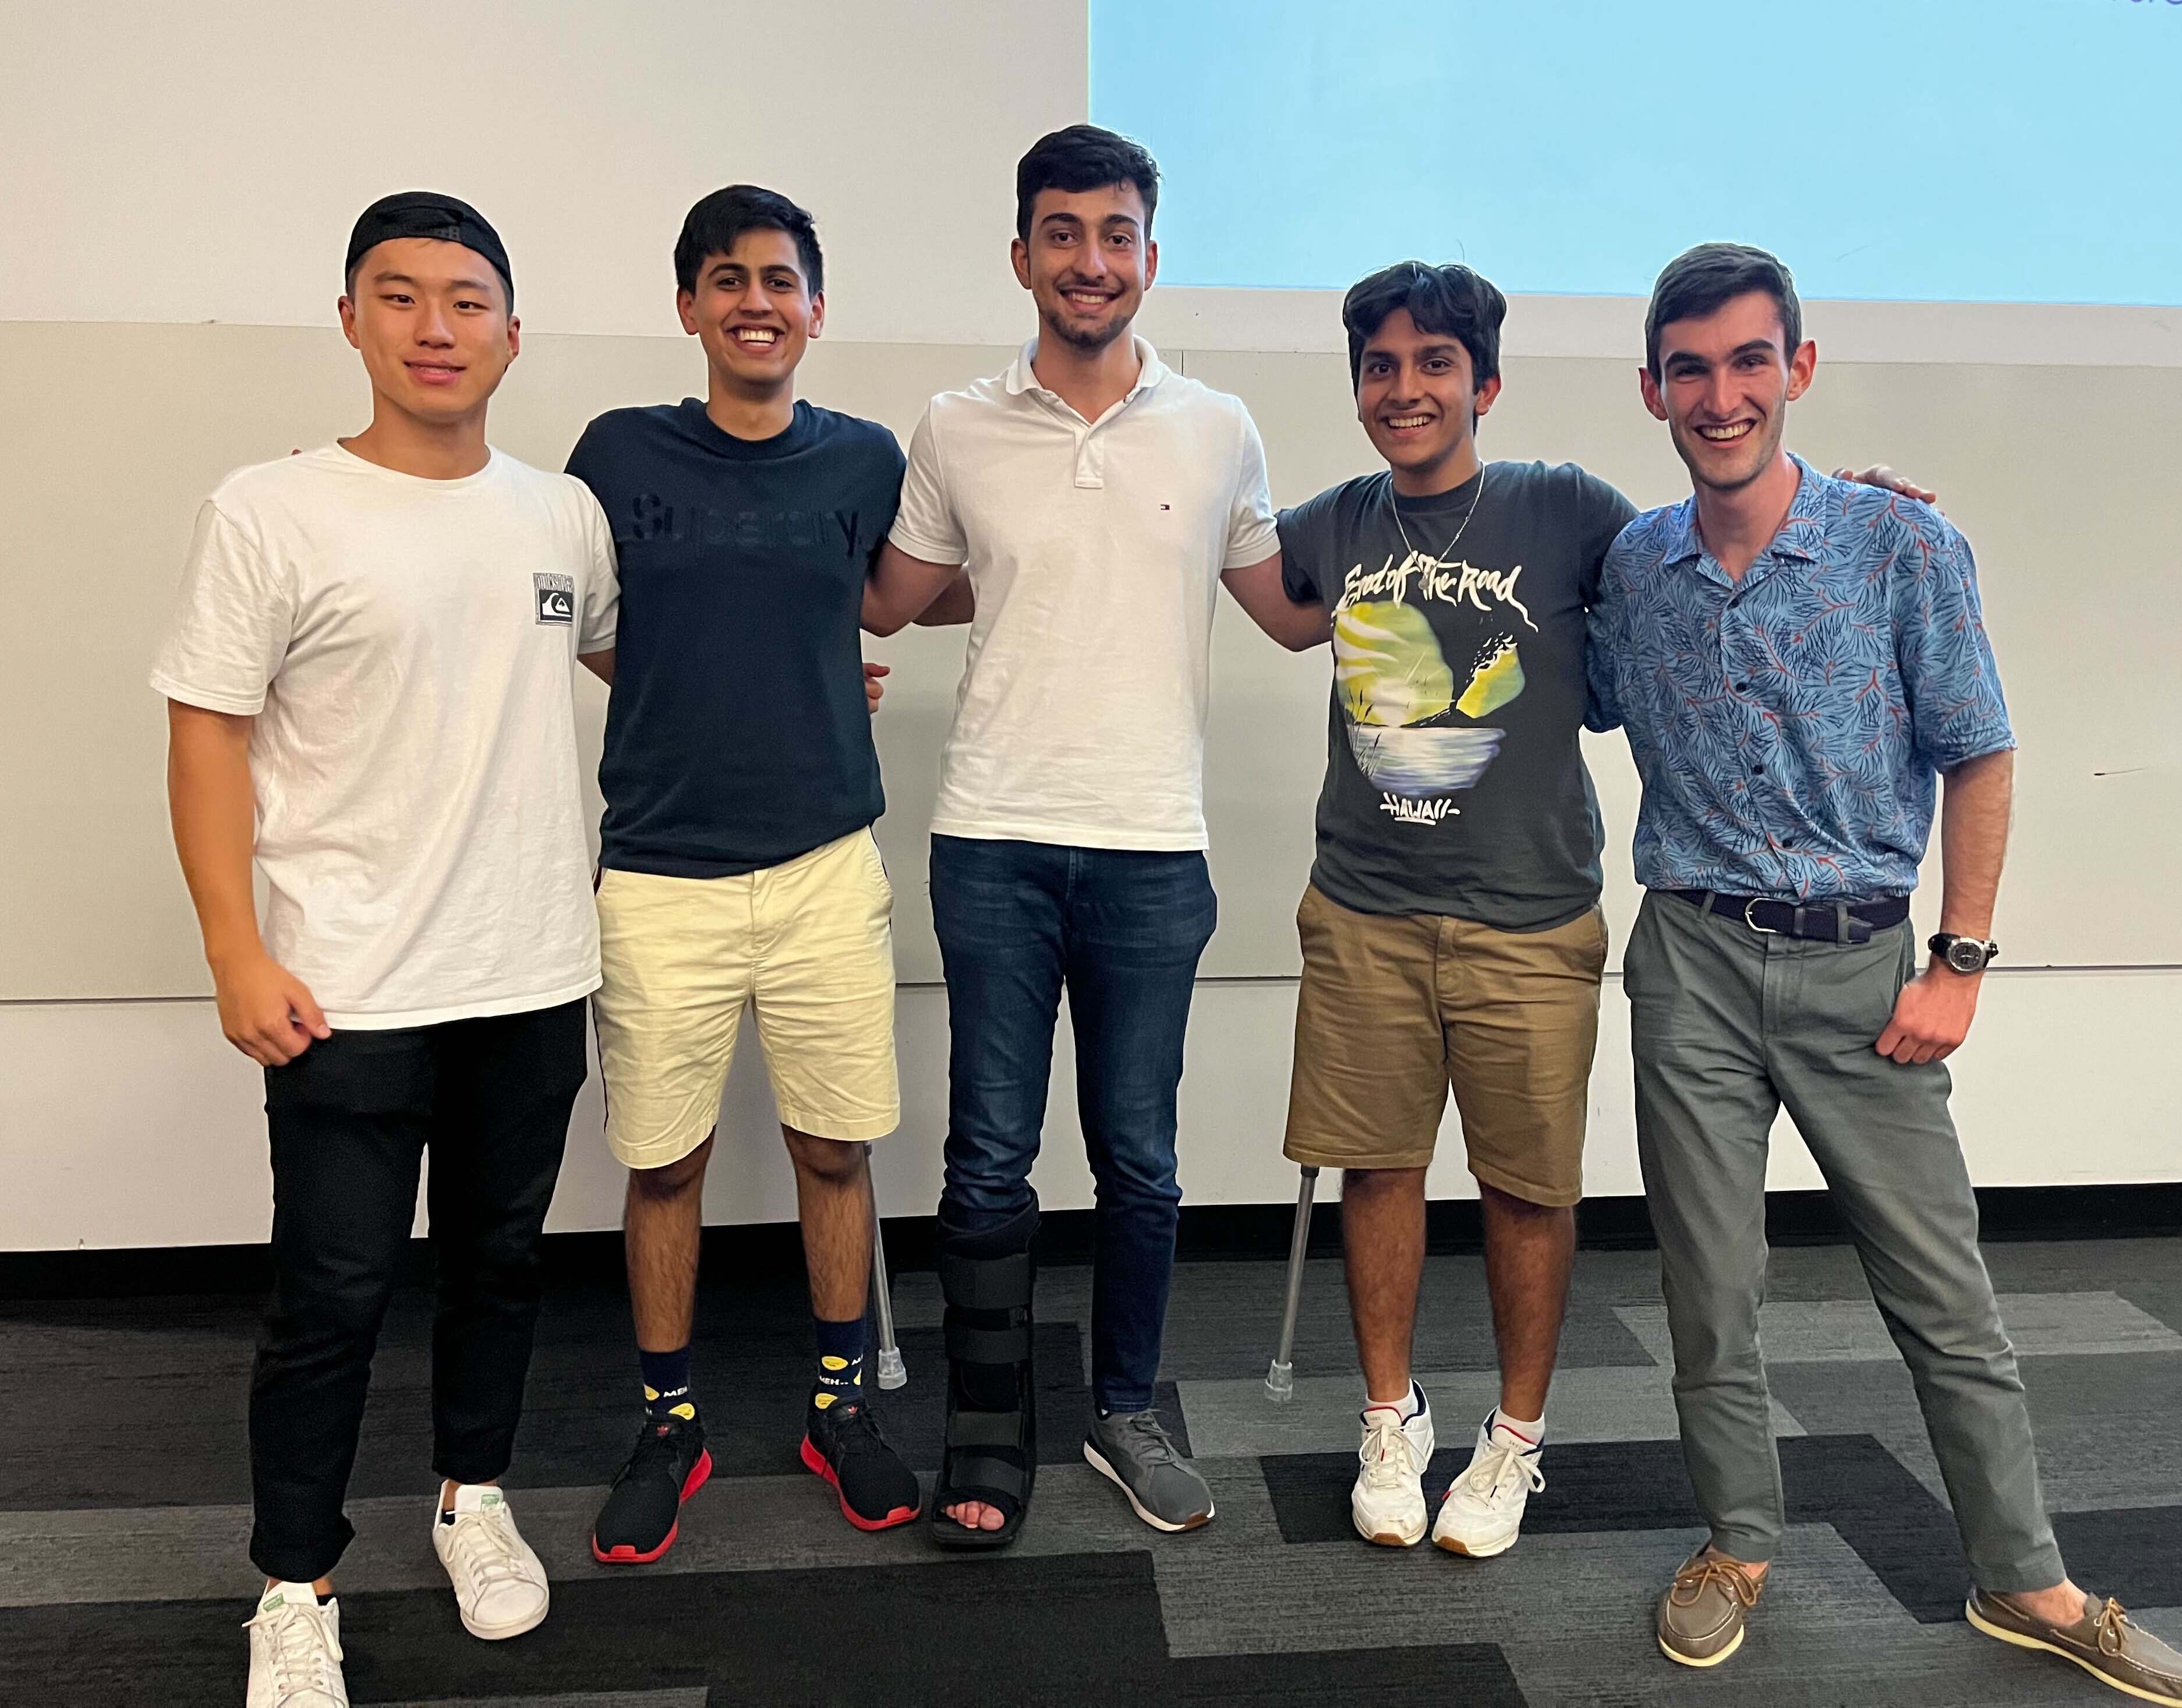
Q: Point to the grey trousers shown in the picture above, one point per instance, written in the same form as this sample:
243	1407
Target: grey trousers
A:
1728	1025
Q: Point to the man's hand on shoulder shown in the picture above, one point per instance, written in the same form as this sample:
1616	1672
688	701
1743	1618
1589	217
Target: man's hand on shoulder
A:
1931	1017
1880	475
265	1011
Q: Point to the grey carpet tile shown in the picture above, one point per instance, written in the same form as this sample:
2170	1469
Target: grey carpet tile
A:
1474	1674
1583	1593
1223	1320
2127	1396
693	1697
2084	1266
2160	1299
2126	1452
1231	1419
1807	1331
1896	1527
1873	1398
2165	1623
743	1524
2133	1553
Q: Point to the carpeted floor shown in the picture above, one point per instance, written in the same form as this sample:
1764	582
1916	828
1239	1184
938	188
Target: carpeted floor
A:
124	1510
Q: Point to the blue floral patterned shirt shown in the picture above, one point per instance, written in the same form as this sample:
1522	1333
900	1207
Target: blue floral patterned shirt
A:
1788	727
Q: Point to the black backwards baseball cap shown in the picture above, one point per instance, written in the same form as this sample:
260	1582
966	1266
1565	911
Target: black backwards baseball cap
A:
426	214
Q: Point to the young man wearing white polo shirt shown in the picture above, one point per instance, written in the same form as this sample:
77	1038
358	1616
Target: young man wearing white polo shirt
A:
1097	501
368	684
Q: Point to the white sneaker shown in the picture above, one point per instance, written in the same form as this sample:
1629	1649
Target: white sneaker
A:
295	1650
500	1587
1482	1512
1388	1500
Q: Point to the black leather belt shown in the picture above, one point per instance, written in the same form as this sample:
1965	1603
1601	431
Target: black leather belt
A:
1824	921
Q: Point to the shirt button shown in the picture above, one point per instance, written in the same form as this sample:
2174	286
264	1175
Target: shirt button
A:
1742	687
1758	770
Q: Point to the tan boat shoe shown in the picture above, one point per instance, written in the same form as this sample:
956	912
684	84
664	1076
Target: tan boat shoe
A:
2104	1643
1702	1615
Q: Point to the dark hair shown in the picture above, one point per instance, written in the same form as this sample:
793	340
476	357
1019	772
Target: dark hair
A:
1699	281
717	223
1452	300
1083	157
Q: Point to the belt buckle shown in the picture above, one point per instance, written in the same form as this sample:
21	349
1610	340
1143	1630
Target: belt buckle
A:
1762	930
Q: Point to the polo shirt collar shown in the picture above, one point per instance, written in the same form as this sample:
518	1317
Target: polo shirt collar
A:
1151	370
1802	532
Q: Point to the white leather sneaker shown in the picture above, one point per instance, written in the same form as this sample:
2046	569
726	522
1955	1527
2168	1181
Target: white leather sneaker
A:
1388	1500
1482	1513
500	1587
295	1650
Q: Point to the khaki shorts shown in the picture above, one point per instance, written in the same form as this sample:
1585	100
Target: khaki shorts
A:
1394	1009
809	942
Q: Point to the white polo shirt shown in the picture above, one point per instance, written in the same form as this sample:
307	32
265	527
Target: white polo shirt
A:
1095	550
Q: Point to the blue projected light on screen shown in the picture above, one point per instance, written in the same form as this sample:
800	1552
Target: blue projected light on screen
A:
2025	151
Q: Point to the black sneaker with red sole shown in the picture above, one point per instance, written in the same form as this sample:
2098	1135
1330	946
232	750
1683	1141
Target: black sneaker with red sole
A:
842	1445
643	1513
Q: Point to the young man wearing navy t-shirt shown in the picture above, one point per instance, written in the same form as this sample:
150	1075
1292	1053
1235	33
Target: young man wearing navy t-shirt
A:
737	864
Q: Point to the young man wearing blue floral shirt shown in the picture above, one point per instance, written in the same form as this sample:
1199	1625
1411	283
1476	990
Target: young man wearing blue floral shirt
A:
1797	659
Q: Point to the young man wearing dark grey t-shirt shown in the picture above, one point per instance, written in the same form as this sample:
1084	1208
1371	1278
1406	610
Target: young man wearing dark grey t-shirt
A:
1451	929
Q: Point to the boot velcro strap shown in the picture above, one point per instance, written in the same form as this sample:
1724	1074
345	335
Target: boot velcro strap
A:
968	1472
986	1430
976	1345
986	1284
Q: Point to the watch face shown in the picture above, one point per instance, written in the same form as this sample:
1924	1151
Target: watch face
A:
1966	955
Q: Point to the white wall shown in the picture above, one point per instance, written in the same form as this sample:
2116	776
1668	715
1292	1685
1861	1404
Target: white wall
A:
186	166
205	162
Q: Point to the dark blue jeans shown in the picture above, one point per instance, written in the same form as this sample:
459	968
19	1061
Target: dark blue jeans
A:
1123	931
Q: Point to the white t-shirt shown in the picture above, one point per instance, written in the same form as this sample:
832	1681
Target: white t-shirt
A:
406	646
1095	550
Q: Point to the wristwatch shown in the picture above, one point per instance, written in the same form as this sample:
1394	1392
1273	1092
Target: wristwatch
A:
1964	955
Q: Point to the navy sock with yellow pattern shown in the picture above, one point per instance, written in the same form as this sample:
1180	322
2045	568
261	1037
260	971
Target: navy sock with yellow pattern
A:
840	1363
667	1393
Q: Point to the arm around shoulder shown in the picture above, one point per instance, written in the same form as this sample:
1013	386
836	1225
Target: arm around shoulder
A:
900	588
1259	590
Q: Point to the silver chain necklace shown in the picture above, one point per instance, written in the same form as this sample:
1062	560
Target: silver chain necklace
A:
1393	500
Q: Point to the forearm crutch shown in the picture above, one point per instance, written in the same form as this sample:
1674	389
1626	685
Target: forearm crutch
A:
1280	1380
892	1371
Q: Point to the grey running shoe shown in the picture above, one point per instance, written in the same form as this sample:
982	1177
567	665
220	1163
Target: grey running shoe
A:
1701	1615
2105	1643
1133	1450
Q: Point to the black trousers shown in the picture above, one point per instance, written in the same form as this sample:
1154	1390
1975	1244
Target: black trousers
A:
350	1119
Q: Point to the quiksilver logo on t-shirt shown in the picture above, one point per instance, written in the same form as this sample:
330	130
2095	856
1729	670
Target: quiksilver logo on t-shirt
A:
556	595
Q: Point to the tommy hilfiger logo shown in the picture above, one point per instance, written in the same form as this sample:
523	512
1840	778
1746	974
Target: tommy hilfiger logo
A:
556	595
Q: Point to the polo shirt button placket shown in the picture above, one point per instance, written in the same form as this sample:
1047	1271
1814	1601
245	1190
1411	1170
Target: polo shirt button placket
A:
1090	465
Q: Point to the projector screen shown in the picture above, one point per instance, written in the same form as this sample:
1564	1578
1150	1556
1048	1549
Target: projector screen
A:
2009	151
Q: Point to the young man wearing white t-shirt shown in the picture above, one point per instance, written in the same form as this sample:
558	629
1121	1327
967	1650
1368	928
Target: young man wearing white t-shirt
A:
369	679
1089	502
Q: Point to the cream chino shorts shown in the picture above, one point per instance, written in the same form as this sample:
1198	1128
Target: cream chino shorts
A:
808	943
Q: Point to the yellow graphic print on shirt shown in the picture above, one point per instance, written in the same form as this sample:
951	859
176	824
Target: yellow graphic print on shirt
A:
1399	695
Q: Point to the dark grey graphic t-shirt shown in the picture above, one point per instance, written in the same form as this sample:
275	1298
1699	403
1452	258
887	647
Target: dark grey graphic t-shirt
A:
1453	780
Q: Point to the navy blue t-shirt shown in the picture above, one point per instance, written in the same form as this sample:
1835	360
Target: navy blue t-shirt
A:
738	734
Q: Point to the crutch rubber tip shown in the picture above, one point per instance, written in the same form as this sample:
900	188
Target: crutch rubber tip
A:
1280	1382
892	1372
